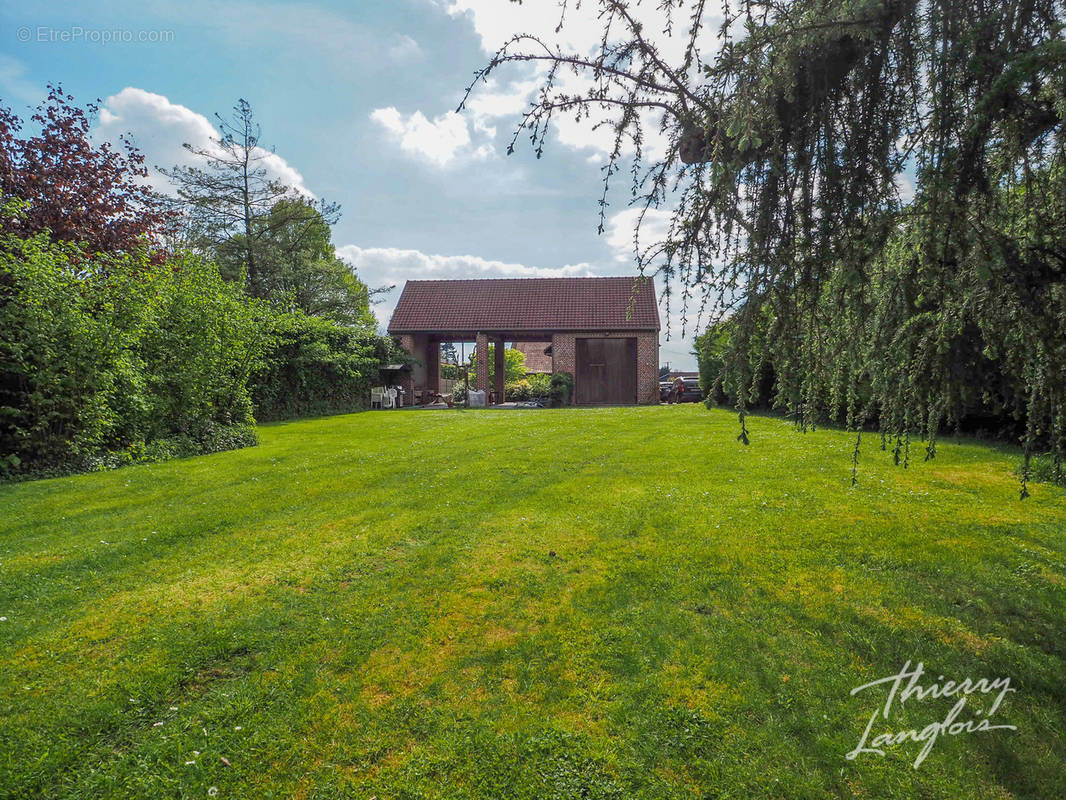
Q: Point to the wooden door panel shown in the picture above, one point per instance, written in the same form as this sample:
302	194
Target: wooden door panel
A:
591	378
606	371
622	371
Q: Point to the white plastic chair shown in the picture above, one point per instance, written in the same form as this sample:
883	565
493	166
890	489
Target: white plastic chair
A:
388	400
377	395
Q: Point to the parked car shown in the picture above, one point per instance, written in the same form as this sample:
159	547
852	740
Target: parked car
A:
693	392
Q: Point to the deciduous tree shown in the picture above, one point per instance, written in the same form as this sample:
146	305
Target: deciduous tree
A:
299	268
80	190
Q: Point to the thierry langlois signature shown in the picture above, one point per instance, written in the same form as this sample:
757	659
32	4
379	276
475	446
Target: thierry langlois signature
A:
904	686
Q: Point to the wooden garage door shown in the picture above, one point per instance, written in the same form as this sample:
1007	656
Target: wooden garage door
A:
606	371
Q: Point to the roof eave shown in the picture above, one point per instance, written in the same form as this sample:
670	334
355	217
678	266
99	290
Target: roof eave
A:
495	329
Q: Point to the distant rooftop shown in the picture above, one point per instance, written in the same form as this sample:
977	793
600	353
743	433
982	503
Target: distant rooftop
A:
527	304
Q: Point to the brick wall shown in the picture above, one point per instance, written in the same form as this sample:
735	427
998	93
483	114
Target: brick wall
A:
564	349
563	353
648	368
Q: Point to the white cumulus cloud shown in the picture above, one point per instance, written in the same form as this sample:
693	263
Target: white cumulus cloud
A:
491	99
440	140
404	48
905	187
496	22
622	226
160	128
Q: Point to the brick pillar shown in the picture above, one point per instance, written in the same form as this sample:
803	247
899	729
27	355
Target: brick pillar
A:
406	380
500	368
482	352
433	365
564	356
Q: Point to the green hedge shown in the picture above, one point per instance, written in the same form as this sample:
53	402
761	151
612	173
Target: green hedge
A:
314	366
106	360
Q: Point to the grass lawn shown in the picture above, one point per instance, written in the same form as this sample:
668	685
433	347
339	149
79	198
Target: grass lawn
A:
596	603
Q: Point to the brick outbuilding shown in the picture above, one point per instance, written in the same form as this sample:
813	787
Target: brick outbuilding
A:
603	331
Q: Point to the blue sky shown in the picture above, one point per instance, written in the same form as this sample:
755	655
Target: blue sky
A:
357	100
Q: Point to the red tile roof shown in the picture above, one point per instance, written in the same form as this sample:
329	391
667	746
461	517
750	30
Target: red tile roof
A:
527	304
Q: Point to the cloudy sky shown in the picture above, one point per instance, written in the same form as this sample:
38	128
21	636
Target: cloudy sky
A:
357	100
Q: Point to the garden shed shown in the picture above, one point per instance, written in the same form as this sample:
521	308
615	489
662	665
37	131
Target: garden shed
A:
603	331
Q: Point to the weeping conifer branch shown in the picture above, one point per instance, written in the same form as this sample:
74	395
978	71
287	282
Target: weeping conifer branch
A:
789	129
